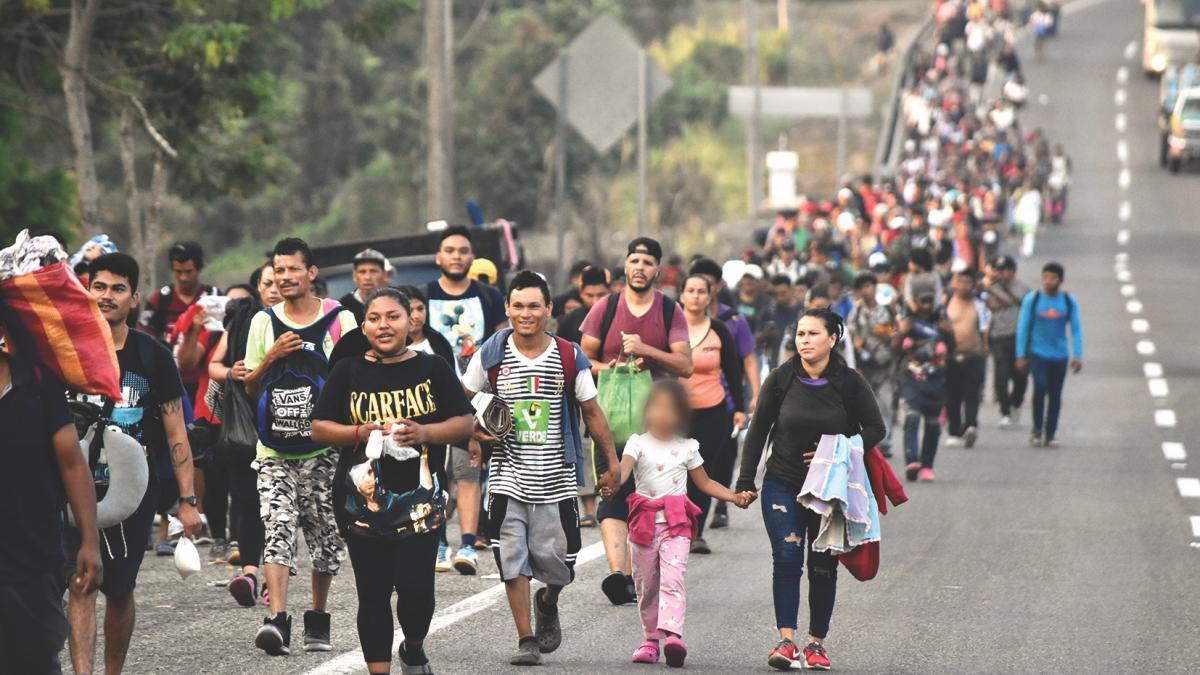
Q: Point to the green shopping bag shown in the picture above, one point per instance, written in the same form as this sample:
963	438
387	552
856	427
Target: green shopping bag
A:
622	392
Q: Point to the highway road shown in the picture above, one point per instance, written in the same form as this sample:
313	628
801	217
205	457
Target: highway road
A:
1080	559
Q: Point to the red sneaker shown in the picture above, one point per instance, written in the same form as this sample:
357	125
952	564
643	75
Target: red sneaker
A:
926	475
815	657
784	656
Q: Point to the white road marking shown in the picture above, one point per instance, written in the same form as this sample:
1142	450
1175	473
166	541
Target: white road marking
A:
1131	50
1152	369
1188	487
1122	75
1121	122
352	661
1124	276
1123	237
1123	211
1195	526
1129	290
1164	418
1122	150
1158	387
1174	452
1134	307
1179	466
1123	178
1139	325
1119	97
1121	257
1145	347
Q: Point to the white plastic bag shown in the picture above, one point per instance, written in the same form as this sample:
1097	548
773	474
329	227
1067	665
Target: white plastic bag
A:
379	444
187	558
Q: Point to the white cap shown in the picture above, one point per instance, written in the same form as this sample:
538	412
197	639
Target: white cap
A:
753	271
732	272
898	223
876	259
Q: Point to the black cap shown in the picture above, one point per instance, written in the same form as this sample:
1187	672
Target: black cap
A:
593	276
707	267
1005	262
645	245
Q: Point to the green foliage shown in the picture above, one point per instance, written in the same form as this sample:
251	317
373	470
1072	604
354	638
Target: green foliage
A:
42	202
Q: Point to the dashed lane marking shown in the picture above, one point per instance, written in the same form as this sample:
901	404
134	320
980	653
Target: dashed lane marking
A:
1174	451
1123	237
1145	347
1188	487
1131	50
1129	290
1123	211
1123	178
1158	387
1152	369
1122	75
1195	526
1124	276
1140	326
1134	307
1164	418
1119	98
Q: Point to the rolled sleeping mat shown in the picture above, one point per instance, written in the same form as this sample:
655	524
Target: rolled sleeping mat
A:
493	414
129	474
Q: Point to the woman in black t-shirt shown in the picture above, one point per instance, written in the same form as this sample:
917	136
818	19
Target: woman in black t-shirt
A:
390	515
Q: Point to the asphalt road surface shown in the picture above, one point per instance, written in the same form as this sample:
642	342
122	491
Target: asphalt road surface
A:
1081	559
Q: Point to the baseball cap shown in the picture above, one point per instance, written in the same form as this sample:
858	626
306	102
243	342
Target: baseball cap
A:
372	256
483	270
877	259
1005	262
753	271
922	286
645	245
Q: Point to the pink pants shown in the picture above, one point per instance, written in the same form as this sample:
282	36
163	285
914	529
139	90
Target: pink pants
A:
658	573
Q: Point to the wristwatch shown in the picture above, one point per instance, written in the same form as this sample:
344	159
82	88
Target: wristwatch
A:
191	501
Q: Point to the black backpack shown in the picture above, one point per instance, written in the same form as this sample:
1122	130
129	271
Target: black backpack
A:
291	386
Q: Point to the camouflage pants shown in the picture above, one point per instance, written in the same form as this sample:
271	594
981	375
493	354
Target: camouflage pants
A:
294	495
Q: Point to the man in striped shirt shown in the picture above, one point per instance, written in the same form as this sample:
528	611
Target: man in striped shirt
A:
547	384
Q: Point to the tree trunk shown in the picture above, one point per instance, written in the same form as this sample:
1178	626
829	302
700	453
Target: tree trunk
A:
72	69
439	188
133	197
158	190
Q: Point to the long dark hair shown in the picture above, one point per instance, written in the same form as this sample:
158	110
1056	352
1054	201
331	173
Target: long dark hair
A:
836	327
388	292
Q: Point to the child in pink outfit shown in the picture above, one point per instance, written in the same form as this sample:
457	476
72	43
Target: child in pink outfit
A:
662	519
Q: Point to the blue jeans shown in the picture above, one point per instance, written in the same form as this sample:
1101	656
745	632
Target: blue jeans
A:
1048	378
790	526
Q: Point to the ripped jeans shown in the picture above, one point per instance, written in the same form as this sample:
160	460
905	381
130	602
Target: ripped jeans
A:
792	529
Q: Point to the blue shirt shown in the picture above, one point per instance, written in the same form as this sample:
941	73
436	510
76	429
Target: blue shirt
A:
1048	322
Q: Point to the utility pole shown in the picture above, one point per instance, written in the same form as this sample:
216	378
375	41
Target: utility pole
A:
753	166
439	114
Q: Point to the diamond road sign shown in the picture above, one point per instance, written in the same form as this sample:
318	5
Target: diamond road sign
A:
602	82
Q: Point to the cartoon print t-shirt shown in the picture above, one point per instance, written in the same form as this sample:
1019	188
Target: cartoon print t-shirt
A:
465	320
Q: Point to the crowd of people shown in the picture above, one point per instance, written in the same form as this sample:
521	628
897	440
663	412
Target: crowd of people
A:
366	422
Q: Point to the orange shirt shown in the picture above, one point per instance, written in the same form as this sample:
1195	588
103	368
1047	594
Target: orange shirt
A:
704	387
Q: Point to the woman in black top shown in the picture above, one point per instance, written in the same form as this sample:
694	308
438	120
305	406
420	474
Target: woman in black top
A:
813	394
389	517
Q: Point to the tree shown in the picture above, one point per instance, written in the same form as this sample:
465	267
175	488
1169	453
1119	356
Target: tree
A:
39	202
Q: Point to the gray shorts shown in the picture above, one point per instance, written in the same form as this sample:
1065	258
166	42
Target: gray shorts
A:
539	541
460	466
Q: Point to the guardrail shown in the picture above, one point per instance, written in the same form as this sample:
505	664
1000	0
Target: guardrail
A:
885	149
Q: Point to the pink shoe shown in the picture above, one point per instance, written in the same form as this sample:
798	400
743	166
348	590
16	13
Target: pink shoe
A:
925	475
647	653
675	651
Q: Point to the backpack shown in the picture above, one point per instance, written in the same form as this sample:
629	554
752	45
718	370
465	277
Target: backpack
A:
1037	296
291	386
565	347
610	313
848	392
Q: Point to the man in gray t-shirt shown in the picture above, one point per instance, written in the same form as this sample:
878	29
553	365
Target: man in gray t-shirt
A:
1004	293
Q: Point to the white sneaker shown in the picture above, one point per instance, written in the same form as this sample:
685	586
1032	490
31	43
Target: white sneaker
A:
954	442
174	527
1006	422
970	436
444	564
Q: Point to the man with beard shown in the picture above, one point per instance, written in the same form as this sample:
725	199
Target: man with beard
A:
639	323
466	313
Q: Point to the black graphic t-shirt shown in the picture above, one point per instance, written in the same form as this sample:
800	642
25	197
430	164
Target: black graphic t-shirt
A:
422	389
149	378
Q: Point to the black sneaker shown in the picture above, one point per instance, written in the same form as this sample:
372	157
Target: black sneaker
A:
527	653
699	546
616	587
275	635
1035	439
547	628
720	520
316	631
413	663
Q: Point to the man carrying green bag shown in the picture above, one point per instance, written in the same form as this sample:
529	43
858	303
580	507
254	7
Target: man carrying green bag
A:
632	338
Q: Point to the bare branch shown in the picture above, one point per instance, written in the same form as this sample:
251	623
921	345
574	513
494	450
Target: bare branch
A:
158	139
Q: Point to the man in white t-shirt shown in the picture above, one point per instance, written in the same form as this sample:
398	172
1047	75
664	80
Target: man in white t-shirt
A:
534	524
